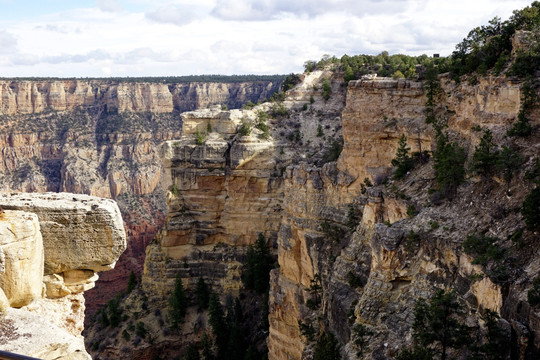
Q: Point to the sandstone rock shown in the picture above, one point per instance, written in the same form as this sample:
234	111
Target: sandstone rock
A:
32	335
79	231
21	257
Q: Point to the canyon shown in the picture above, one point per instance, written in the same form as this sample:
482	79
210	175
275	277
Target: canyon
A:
356	248
52	247
101	138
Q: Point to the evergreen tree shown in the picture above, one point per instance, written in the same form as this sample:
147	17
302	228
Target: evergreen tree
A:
403	162
192	352
495	348
206	347
219	326
203	294
486	155
531	209
326	347
509	162
449	159
177	303
256	274
132	282
436	326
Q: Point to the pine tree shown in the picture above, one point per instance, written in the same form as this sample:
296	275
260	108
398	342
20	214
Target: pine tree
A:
219	325
449	159
531	209
256	273
436	326
485	156
192	352
203	294
177	303
403	162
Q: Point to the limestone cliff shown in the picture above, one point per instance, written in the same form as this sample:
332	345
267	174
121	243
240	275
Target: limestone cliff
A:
101	138
51	248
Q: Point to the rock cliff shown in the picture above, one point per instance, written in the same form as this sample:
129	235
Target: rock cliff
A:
51	248
101	138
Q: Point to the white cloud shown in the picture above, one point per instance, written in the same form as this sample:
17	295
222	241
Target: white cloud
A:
109	5
8	43
214	36
174	14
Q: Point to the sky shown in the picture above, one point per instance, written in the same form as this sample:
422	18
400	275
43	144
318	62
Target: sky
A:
102	38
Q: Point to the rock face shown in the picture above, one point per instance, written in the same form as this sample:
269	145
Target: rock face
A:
26	97
372	276
51	246
102	138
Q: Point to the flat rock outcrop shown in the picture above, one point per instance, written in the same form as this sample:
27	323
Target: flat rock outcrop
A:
51	247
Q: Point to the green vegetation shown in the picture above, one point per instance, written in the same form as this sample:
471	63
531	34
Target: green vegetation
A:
259	262
177	303
245	128
332	154
449	164
531	209
262	117
327	89
361	334
320	132
202	293
533	295
508	162
486	155
132	282
483	249
326	347
200	137
352	217
403	162
167	79
437	328
307	330
192	352
529	100
332	231
290	81
411	211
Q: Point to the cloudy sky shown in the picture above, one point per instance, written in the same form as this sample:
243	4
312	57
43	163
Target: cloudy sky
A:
67	38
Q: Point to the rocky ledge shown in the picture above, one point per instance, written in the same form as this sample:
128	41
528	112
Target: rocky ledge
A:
51	246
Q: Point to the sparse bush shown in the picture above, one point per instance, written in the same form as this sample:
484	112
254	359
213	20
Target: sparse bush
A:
200	137
245	128
132	282
320	132
411	211
279	110
306	330
333	153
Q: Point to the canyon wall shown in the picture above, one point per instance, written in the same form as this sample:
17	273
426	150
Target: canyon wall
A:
102	138
51	247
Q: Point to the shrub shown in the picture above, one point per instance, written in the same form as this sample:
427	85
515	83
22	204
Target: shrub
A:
522	127
360	334
320	132
333	153
352	217
279	110
200	137
327	89
245	128
354	281
483	249
411	211
306	330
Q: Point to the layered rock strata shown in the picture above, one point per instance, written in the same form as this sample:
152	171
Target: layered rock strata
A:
101	138
51	248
